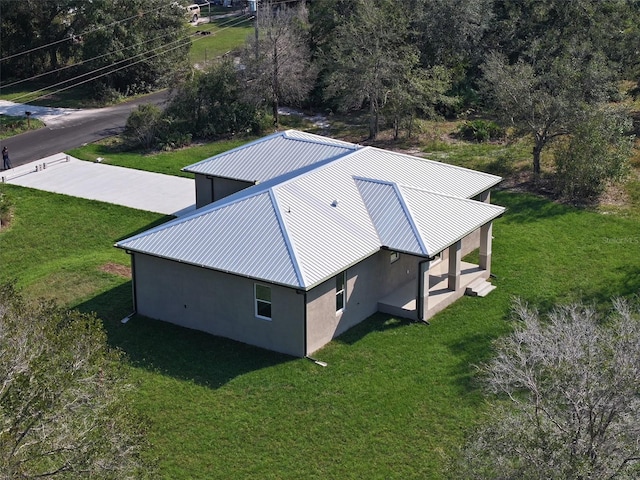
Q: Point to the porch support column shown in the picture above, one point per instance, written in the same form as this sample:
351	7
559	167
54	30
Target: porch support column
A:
455	259
423	289
486	235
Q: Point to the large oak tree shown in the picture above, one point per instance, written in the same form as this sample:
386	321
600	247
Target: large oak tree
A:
64	410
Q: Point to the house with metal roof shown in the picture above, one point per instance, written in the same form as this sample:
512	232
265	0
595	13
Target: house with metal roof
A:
299	237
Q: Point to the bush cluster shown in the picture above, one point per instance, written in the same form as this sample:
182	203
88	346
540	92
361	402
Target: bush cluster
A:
481	130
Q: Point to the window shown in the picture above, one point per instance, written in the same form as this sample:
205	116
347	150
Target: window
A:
263	301
341	287
394	257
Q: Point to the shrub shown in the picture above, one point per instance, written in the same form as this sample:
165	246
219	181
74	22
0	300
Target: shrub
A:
143	127
502	165
481	130
597	153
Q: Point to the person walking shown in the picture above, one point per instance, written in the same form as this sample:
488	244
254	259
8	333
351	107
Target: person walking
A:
6	163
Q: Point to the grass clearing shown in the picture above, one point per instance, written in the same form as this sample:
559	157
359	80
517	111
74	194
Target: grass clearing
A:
226	34
56	244
168	163
10	126
396	398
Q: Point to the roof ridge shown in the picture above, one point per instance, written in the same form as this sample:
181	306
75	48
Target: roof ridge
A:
287	239
257	141
446	195
403	204
316	167
319	139
444	164
411	218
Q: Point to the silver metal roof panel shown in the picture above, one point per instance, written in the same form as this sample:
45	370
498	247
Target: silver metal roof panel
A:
272	156
417	172
244	237
389	216
328	225
305	226
442	220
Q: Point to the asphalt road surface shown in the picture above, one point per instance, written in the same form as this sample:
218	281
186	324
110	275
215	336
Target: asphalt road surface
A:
74	130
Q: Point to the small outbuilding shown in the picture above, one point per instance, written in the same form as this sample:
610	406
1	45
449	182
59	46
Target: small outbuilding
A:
298	237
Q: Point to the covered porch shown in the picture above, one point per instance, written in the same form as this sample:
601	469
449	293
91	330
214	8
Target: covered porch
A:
402	301
440	283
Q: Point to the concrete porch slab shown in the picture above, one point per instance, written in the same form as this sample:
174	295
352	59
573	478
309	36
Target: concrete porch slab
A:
402	301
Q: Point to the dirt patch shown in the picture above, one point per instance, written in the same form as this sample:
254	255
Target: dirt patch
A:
5	222
116	269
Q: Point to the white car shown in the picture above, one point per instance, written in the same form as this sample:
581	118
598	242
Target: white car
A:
193	12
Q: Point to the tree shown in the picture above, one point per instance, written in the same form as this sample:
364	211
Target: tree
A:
546	98
418	92
46	29
568	403
277	69
212	103
370	58
144	126
63	396
140	42
596	153
124	47
451	31
545	28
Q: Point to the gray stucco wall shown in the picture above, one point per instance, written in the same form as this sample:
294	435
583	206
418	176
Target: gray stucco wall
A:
210	189
217	303
367	282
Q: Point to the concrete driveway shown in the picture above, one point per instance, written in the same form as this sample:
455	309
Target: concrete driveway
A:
153	192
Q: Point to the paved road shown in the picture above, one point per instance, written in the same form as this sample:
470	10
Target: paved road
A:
73	130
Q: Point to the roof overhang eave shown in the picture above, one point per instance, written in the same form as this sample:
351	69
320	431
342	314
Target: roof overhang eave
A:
207	267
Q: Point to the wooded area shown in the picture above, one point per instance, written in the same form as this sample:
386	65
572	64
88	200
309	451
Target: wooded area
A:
548	69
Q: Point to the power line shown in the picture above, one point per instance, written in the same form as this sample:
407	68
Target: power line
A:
117	69
95	58
102	27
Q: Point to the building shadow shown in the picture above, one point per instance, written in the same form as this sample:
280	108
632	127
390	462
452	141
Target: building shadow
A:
167	349
378	322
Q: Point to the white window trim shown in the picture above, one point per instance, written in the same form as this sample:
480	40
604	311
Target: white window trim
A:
344	292
256	300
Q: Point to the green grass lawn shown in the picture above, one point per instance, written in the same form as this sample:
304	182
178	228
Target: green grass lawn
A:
226	35
397	397
168	163
10	126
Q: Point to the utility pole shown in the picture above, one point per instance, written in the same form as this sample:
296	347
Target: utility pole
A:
256	27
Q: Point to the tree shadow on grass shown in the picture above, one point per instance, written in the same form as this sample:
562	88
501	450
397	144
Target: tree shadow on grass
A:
523	207
626	285
171	350
472	350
